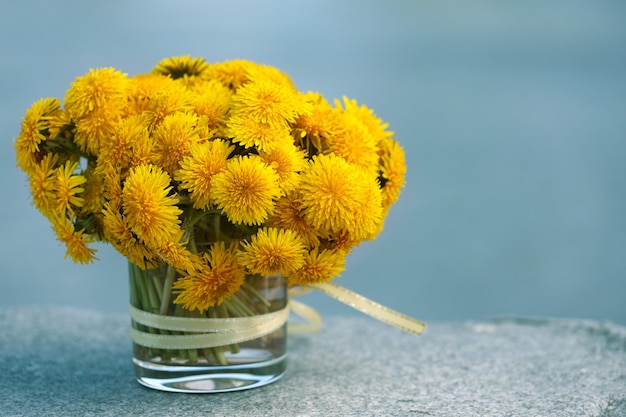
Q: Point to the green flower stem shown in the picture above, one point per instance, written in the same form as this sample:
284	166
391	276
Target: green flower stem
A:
143	292
217	351
208	355
144	299
66	145
223	313
234	348
156	282
179	312
207	352
134	288
199	215
251	294
233	309
217	225
249	288
248	300
242	306
167	289
230	309
137	294
153	296
192	355
192	245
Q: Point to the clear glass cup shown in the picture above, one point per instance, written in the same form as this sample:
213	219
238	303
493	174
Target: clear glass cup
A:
237	366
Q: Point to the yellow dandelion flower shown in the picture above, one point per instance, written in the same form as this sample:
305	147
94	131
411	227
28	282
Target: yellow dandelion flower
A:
207	131
380	227
219	278
317	129
287	160
341	242
139	255
150	210
34	123
393	171
188	82
368	216
26	161
97	126
330	194
366	116
113	188
96	89
115	227
173	138
196	170
142	88
174	98
181	66
319	266
42	184
142	150
245	191
288	215
117	151
76	242
176	254
356	145
273	251
66	187
267	72
248	132
270	103
338	196
213	101
232	74
124	241
59	123
93	192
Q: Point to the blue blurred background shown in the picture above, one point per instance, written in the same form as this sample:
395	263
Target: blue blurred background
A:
512	116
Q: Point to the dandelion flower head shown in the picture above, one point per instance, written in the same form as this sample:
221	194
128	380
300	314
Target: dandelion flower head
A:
218	279
246	190
318	266
149	208
273	251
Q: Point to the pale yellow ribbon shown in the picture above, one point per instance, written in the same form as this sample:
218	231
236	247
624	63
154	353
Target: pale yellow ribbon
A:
371	308
212	332
207	332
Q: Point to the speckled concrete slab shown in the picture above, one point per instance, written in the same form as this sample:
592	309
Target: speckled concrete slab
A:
57	361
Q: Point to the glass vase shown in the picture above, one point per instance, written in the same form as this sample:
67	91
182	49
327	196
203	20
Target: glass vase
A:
237	345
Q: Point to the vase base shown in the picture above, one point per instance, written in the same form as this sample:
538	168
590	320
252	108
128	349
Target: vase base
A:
209	379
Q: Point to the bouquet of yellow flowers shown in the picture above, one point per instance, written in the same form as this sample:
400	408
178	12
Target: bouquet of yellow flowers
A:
217	182
217	170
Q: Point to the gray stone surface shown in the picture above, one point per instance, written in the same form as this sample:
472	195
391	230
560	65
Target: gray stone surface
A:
70	362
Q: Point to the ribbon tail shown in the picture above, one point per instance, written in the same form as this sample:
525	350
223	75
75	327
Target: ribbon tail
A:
371	308
313	320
